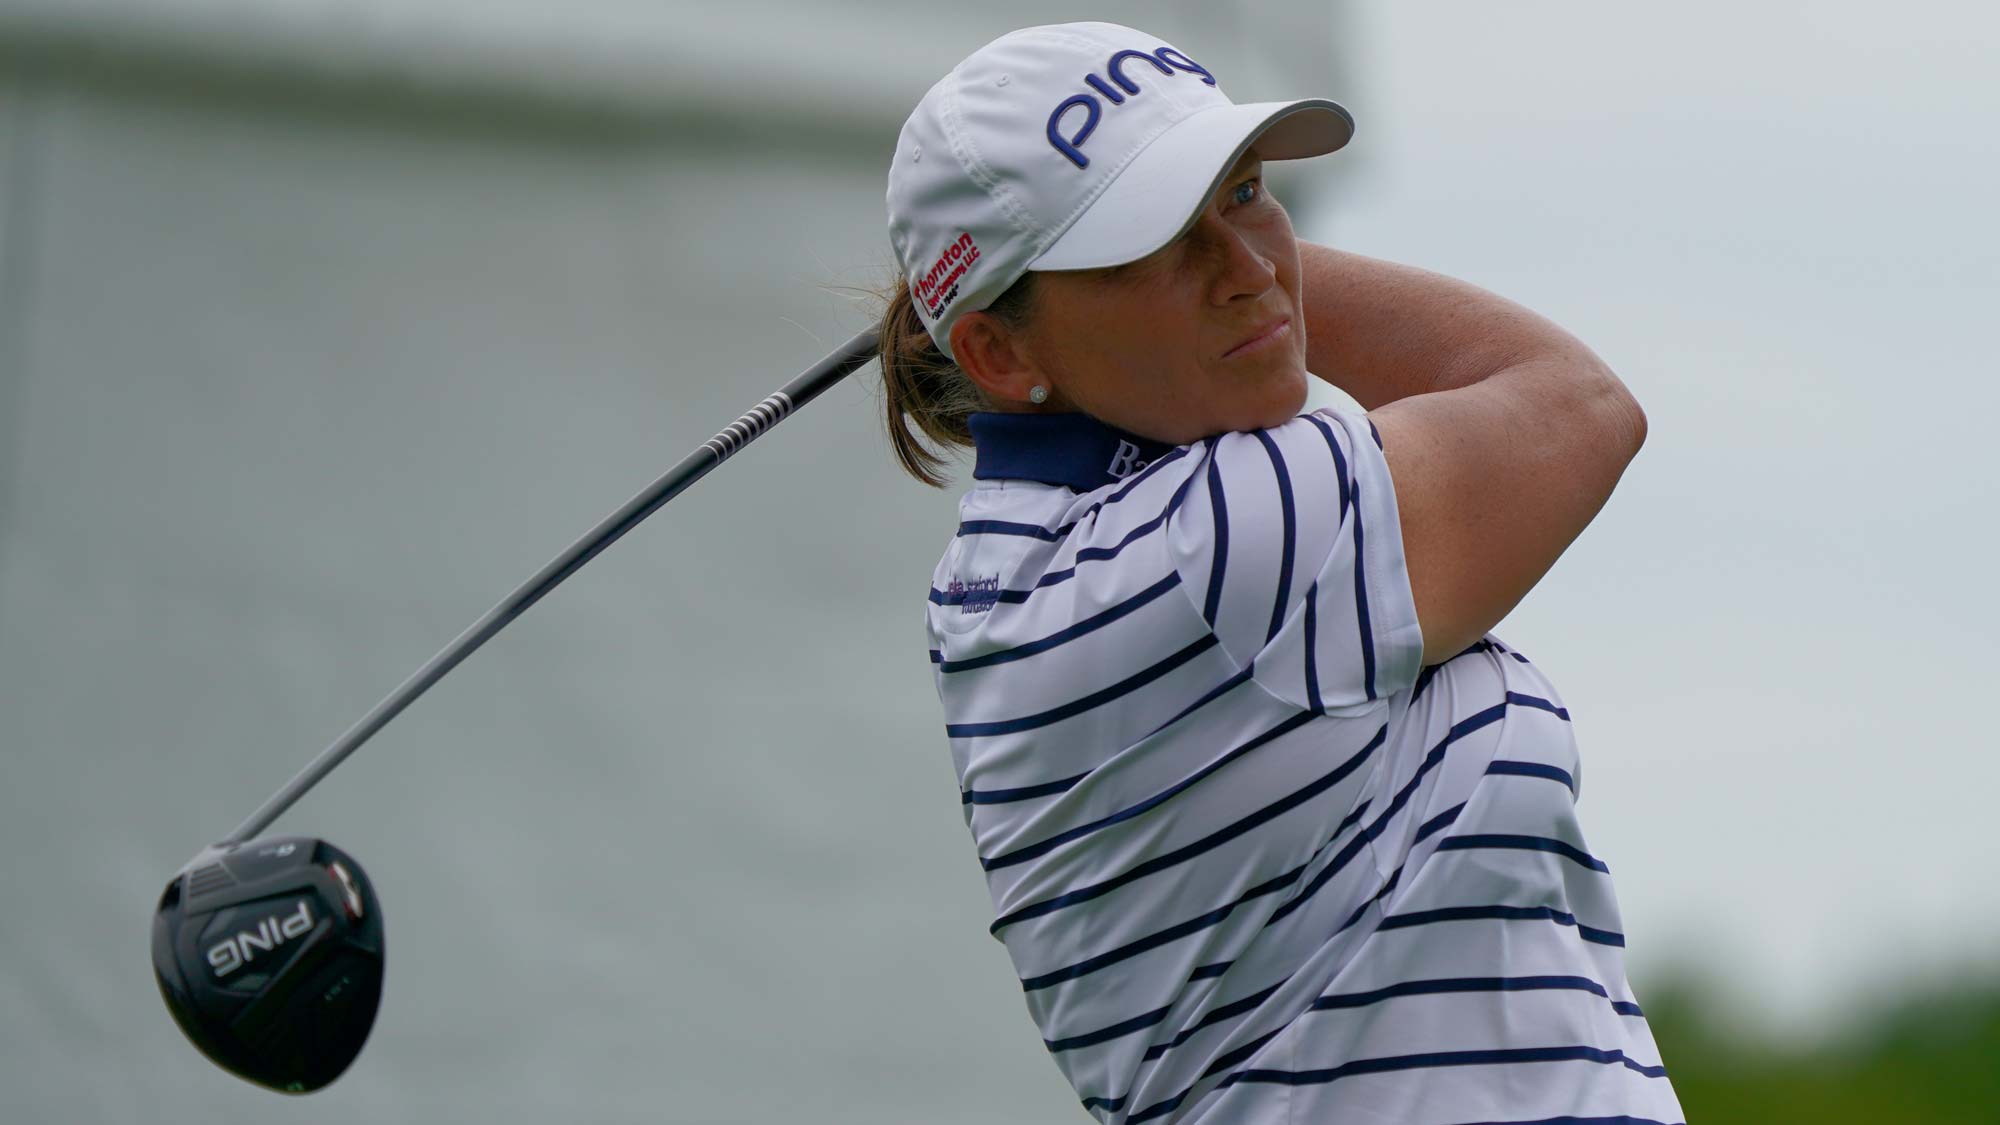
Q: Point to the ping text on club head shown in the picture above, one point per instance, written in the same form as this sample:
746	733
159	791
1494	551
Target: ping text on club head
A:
234	952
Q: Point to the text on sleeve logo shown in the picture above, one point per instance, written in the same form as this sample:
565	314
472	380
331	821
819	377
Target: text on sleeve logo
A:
975	596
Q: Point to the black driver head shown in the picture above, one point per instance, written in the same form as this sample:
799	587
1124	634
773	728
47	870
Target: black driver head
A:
269	955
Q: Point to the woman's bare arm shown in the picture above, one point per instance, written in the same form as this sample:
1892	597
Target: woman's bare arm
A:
1504	434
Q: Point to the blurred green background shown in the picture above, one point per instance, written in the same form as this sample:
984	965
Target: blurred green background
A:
1929	1057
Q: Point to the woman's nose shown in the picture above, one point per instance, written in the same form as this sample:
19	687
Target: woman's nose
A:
1240	269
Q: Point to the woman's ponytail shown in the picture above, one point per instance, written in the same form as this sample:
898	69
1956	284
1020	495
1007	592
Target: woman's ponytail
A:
927	397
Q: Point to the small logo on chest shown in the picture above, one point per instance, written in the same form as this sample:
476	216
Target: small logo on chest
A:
1126	461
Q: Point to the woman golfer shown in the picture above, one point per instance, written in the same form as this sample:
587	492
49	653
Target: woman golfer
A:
1274	830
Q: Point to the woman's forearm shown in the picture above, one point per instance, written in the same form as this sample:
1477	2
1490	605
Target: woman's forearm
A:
1382	331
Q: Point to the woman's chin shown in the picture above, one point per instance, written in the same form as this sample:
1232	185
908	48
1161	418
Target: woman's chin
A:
1285	399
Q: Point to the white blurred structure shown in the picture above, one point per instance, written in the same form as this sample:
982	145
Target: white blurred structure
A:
776	61
321	325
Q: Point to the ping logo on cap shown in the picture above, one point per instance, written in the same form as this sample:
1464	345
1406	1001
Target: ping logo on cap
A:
939	285
1166	60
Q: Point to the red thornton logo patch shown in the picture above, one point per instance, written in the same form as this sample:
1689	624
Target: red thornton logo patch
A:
938	287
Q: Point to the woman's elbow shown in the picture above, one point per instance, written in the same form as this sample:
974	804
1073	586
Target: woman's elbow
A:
1593	399
1631	417
1619	419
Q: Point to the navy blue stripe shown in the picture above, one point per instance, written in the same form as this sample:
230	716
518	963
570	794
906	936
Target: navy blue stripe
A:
1424	675
1361	608
1505	767
1347	852
1213	917
1106	1034
1288	521
1339	461
1353	1000
1218	968
1036	531
937	657
1375	432
1186	852
1214	693
1228	1011
1351	491
1505	1056
1504	913
1056	639
1396	876
1459	730
1092	554
1077	707
1345	1000
1339	862
1481	841
1011	597
1621	1119
1024	793
1222	1063
1126	489
1043	847
1428	1061
1004	527
1341	859
1521	700
1627	1008
1430	670
1049	579
1087	554
1430	827
939	597
1437	823
1312	645
1463	727
1360	561
1218	508
1381	893
1170	934
1160	462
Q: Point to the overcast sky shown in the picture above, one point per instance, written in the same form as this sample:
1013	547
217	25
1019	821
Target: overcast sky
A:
1776	222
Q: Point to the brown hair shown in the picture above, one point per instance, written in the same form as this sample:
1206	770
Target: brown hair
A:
927	396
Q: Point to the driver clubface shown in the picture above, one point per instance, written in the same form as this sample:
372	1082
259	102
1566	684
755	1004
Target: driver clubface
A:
269	956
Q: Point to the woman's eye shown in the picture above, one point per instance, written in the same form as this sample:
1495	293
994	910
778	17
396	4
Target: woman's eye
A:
1246	192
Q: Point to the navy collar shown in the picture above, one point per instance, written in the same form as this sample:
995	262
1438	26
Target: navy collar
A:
1074	450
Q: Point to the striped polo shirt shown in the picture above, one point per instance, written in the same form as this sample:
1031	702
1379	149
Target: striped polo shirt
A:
1252	862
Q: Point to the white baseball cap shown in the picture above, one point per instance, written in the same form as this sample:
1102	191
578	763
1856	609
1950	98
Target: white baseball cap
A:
1065	147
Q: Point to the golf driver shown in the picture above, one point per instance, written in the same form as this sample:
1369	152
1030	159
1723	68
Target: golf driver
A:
269	951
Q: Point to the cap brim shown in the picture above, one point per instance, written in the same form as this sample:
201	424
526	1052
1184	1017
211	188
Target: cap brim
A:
1155	198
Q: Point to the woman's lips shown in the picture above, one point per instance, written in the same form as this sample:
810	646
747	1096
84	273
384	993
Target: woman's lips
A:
1271	334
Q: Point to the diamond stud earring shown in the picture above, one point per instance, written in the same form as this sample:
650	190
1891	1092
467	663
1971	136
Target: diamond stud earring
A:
1038	394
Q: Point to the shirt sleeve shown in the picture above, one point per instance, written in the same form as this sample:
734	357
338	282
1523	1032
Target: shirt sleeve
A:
1289	543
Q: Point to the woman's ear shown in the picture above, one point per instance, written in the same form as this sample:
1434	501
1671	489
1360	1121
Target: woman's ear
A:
991	355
